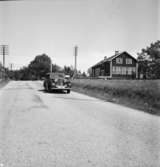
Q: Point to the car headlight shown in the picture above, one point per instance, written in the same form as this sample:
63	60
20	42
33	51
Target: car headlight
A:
69	84
53	83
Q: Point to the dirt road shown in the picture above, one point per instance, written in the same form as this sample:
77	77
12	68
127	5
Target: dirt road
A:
39	129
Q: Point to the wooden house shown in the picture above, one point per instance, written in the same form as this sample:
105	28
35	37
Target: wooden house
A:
120	65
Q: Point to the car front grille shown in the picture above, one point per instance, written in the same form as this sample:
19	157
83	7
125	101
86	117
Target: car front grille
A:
60	82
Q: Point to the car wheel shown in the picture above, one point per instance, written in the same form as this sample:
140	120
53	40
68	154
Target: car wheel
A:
46	87
49	88
68	91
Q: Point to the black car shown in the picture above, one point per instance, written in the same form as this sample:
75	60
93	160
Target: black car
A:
57	81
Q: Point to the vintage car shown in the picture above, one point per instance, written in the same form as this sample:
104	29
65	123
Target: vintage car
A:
57	81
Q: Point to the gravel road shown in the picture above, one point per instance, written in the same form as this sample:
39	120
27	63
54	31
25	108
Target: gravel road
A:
39	129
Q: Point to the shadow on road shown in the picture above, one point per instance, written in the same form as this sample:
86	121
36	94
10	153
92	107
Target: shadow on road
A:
53	91
67	97
77	99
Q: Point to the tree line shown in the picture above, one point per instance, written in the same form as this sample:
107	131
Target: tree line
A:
148	66
38	68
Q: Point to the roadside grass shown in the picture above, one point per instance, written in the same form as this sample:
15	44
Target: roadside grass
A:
138	94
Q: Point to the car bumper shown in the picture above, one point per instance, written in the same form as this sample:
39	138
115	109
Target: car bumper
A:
60	88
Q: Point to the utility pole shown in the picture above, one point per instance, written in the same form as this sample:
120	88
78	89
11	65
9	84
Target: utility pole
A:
10	70
11	66
75	55
4	52
51	66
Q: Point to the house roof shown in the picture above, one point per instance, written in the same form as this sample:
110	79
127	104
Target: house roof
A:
112	57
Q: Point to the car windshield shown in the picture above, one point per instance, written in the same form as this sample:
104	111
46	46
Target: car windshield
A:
56	75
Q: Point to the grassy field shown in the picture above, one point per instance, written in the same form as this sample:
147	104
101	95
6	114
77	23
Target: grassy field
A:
139	94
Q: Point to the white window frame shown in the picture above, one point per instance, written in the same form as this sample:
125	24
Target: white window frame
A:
128	61
129	69
119	60
124	70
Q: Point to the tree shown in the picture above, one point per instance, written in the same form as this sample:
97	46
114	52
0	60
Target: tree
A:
149	61
68	70
36	69
84	74
56	68
39	66
89	71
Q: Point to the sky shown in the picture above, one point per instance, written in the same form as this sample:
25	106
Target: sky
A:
97	27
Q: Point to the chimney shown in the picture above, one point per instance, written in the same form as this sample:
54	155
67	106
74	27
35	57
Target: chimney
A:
105	57
116	52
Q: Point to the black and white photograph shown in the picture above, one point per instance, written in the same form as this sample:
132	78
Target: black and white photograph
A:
79	83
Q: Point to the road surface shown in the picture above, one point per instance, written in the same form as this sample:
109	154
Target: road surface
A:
39	129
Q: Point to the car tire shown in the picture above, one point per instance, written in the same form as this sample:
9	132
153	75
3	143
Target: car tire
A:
68	91
46	87
49	89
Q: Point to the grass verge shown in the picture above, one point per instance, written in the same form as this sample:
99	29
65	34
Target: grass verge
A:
138	94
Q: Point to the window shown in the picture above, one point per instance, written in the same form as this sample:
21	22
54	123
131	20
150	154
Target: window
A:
102	72
131	70
97	71
114	70
117	70
119	60
124	70
128	61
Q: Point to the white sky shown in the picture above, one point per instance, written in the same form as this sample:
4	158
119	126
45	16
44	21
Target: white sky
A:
98	27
